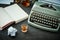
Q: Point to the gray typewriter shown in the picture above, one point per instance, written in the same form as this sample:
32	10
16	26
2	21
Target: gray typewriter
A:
45	16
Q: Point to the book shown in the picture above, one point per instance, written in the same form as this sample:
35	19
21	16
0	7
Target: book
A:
11	14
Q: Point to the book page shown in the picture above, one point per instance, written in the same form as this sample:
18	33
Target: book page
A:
16	13
4	18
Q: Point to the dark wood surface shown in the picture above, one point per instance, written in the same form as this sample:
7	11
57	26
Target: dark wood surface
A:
32	34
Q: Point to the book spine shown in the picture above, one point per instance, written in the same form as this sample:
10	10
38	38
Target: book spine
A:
10	23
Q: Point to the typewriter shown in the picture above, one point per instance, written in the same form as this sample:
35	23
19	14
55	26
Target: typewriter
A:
45	16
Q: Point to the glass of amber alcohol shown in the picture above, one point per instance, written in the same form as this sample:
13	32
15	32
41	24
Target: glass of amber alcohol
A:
26	3
24	28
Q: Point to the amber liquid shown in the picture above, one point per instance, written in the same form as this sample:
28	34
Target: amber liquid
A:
26	3
24	28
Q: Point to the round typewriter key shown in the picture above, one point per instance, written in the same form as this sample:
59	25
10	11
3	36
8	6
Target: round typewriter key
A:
42	16
38	15
53	25
44	22
49	23
46	16
54	22
35	17
31	18
56	25
49	18
38	20
43	19
53	19
33	14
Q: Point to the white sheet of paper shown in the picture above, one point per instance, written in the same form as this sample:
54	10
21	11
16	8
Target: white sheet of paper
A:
12	31
13	34
6	1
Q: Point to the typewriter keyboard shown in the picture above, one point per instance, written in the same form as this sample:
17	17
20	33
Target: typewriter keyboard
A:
43	19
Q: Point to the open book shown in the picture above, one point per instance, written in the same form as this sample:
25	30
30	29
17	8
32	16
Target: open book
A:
11	14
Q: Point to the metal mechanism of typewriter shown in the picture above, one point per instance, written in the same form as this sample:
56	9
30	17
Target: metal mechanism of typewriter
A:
45	16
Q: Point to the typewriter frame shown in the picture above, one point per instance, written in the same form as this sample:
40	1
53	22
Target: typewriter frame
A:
34	8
